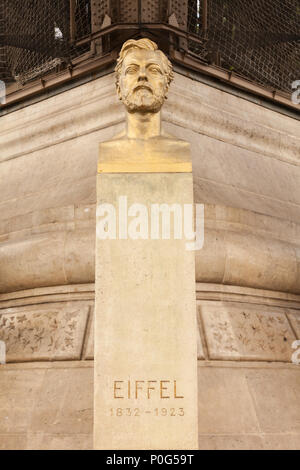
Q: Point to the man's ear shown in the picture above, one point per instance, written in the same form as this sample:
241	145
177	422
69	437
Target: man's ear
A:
166	92
119	92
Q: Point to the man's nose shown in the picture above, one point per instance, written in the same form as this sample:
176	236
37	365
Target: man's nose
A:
142	74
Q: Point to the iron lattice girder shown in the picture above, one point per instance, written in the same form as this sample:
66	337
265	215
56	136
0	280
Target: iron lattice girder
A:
58	48
259	42
138	11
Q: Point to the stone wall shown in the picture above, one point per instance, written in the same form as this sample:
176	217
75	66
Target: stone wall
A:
248	388
246	164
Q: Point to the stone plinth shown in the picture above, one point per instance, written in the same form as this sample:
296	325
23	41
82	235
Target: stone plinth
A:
145	322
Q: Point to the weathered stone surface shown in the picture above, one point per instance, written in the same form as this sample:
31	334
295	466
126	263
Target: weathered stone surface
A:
248	406
19	391
44	441
44	333
66	404
282	441
50	258
46	406
276	397
225	403
13	441
89	351
250	261
241	405
241	248
294	317
230	442
243	332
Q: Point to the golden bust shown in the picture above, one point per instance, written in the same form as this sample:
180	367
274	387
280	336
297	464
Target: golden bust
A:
143	77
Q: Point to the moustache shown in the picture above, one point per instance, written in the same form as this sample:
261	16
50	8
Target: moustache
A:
143	87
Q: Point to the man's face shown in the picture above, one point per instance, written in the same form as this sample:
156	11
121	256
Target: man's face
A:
143	83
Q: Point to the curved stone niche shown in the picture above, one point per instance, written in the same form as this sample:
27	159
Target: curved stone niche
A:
241	248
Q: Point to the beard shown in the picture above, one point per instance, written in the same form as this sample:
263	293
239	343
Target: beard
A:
143	100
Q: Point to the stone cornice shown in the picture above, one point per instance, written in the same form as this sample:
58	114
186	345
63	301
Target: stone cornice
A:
192	105
229	293
233	120
80	111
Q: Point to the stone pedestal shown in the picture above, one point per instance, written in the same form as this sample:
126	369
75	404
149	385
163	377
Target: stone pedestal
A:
145	322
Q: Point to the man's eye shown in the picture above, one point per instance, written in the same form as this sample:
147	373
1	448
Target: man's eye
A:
131	69
155	70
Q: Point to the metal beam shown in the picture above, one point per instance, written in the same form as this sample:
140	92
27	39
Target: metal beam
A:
72	21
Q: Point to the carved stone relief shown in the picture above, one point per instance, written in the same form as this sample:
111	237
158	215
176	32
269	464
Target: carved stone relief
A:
44	334
237	331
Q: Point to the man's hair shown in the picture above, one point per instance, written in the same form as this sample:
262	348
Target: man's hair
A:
146	44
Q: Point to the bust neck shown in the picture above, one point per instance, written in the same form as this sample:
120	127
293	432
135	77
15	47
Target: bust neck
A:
143	125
